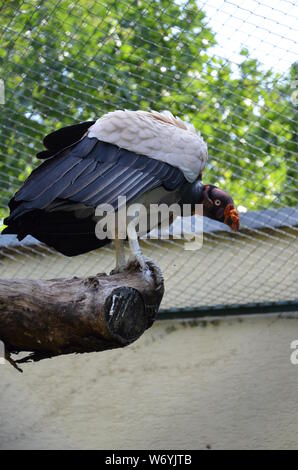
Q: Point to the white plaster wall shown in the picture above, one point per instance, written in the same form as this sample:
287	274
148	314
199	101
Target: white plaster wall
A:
227	384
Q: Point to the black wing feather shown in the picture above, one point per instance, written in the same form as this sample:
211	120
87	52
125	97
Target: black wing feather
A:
63	138
85	174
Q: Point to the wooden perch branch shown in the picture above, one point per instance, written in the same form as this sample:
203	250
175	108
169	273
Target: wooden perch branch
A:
62	316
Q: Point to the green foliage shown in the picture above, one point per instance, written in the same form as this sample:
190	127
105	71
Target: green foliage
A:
65	61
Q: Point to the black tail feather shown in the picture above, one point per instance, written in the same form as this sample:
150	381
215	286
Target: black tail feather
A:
60	230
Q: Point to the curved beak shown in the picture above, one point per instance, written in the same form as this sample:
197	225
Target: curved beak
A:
232	218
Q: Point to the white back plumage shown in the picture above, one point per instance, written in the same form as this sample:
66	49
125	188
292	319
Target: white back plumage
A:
157	135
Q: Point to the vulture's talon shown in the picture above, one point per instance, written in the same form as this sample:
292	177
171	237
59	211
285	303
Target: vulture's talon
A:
118	270
141	264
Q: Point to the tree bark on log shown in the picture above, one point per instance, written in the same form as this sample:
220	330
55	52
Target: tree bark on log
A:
62	316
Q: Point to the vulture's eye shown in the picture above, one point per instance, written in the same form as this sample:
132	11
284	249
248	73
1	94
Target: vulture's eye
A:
217	202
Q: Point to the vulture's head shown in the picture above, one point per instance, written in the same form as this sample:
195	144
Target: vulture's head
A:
218	205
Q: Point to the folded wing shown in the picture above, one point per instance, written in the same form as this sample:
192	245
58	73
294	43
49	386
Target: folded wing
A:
57	202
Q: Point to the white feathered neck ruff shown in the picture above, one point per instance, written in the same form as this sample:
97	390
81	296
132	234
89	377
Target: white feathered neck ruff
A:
157	135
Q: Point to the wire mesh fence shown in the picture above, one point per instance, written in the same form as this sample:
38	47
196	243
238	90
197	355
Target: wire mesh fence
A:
227	67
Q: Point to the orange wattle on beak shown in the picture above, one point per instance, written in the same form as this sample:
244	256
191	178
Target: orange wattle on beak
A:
232	218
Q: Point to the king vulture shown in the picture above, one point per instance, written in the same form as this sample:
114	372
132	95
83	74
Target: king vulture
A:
148	157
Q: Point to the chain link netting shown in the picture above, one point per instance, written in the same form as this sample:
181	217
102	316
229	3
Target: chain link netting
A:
226	66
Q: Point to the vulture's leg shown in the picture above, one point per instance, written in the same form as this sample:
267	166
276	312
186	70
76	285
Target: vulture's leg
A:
121	264
120	255
138	257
